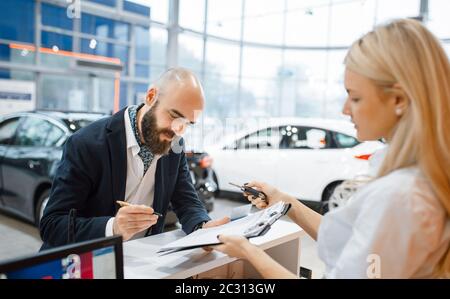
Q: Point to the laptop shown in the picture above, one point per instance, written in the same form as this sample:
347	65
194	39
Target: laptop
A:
95	259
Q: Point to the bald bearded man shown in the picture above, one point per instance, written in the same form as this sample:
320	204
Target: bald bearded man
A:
132	156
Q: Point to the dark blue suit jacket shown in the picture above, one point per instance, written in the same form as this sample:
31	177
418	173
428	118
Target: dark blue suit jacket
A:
92	176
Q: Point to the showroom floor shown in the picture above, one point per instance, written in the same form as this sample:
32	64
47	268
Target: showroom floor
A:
19	238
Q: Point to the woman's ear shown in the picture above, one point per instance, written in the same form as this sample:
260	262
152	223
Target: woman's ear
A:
401	100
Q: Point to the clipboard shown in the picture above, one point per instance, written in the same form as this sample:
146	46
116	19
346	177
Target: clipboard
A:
251	226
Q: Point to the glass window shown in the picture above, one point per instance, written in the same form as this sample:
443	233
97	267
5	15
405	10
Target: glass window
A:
224	18
136	7
350	20
158	38
104	27
294	137
65	92
439	22
103	95
108	50
142	37
447	49
307	22
262	95
345	141
222	94
260	85
140	91
142	70
334	94
56	41
159	9
123	95
16	75
56	16
105	2
190	52
264	21
54	135
192	14
261	62
17	20
33	132
156	72
22	56
388	10
7	130
222	58
94	47
305	82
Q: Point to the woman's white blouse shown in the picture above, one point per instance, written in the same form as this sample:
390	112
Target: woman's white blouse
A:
394	227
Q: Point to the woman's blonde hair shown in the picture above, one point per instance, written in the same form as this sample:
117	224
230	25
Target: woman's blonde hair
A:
406	53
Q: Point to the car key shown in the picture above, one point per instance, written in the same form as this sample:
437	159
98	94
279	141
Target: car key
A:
251	191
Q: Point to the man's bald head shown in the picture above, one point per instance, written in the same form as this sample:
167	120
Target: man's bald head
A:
175	78
173	101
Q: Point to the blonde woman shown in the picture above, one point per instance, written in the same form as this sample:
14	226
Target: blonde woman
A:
397	226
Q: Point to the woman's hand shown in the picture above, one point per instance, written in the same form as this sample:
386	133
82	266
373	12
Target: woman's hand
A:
235	246
273	195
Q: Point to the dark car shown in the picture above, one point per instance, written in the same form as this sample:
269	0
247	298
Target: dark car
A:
30	149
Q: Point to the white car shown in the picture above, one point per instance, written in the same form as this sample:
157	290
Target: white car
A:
304	157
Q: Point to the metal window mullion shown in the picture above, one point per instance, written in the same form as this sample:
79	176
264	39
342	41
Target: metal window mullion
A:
85	35
241	53
204	36
37	54
131	62
173	30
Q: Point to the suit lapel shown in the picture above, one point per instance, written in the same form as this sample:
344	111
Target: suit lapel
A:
117	155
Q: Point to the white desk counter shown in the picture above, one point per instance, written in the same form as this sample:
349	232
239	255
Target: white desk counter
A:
282	242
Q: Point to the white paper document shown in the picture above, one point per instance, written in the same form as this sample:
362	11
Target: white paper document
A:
250	226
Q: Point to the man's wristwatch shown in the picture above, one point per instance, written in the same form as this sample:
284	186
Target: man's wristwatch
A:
199	226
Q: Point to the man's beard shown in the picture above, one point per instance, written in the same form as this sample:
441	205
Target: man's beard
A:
151	134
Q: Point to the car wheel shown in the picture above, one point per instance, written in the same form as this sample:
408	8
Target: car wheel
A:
327	196
40	206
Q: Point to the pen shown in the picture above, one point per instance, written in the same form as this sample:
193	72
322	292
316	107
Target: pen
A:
126	204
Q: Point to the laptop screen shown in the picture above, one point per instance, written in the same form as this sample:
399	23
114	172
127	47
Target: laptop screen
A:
101	258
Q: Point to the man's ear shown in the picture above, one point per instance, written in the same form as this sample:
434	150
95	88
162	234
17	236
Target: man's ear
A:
401	100
151	97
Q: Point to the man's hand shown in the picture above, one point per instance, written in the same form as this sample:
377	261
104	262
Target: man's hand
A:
216	222
133	219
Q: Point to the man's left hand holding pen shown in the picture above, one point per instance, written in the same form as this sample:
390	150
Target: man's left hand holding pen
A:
132	219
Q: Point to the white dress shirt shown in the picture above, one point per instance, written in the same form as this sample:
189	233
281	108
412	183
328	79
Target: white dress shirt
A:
139	187
393	227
